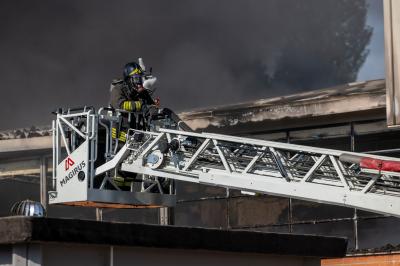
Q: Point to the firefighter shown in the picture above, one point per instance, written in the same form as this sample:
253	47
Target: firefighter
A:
130	96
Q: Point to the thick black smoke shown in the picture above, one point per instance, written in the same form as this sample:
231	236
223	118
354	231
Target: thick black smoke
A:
65	53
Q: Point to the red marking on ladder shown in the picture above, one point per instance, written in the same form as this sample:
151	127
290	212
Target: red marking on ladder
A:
381	165
68	163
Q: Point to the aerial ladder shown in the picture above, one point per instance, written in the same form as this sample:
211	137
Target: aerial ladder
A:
86	158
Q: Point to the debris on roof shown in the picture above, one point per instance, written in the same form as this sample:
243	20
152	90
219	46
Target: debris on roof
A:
341	99
23	133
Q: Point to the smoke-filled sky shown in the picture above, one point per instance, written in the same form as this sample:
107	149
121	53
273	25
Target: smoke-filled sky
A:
65	53
373	67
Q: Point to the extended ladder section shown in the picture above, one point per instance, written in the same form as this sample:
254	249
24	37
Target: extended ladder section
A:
370	183
89	161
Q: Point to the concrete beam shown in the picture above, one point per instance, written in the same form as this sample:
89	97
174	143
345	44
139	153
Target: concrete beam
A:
27	147
21	230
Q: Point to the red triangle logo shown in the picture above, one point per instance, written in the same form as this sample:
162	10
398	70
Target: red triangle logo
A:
68	163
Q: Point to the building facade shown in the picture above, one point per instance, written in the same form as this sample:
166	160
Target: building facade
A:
351	117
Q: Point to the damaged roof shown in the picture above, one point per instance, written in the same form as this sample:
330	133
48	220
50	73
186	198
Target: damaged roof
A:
291	111
367	99
23	133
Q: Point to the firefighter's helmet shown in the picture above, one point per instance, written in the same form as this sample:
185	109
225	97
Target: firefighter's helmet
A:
133	73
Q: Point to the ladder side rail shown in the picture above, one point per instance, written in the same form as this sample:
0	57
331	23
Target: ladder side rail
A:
277	145
330	182
326	170
277	186
330	172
